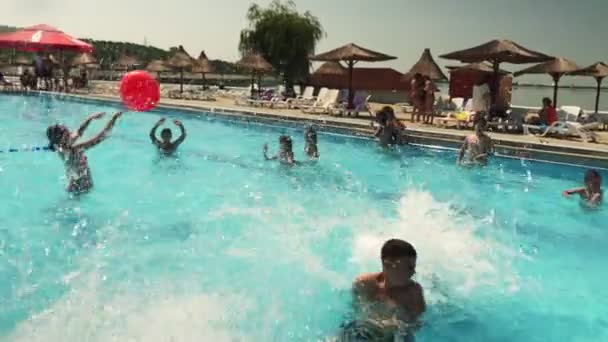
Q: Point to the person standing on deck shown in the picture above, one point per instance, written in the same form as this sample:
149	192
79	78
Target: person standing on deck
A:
416	96
429	100
482	97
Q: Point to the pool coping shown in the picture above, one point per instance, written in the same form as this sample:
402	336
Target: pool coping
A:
552	153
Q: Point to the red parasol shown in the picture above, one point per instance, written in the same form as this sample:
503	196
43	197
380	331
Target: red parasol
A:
42	37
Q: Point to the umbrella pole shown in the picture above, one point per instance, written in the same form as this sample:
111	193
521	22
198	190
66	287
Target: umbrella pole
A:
204	81
351	96
597	95
496	86
556	78
252	83
181	80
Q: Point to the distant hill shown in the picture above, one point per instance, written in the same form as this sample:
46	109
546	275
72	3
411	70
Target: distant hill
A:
108	52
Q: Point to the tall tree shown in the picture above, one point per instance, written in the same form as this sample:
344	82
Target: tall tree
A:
285	37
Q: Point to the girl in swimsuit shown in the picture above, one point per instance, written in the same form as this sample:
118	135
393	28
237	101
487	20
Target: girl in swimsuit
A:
285	154
592	192
64	142
311	149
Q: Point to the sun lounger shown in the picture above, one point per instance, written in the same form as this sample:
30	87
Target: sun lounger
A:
462	119
566	129
325	104
360	103
307	98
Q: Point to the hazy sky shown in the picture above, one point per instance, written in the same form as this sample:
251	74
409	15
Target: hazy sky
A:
403	28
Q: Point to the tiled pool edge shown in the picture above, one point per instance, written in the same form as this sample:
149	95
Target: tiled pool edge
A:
551	153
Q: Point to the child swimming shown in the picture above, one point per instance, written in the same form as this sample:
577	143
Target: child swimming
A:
311	149
285	154
388	303
64	142
592	192
165	145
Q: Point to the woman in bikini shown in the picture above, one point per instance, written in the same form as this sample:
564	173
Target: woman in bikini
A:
429	100
64	142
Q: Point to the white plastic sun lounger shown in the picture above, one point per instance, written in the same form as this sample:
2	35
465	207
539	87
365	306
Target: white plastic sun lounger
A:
325	104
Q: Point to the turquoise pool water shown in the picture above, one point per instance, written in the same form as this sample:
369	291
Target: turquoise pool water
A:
219	245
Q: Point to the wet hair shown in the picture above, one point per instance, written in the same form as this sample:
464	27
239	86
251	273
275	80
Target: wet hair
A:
285	139
385	115
166	131
547	101
54	133
311	132
592	174
397	248
481	122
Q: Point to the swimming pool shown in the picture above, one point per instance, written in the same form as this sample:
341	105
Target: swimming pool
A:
219	245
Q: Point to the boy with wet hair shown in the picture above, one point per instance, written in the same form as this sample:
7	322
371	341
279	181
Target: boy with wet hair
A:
390	301
165	145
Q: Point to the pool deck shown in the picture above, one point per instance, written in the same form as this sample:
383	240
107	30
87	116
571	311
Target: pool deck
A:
567	151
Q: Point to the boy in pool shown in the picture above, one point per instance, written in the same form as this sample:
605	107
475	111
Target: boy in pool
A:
476	147
390	130
64	143
387	301
285	151
165	145
311	149
592	192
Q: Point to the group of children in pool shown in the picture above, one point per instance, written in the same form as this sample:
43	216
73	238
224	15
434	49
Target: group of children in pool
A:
388	302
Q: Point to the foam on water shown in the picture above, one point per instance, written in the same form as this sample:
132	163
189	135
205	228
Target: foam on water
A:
451	253
161	312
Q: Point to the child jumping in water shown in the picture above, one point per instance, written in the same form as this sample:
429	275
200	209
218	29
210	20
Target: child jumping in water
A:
64	142
166	146
311	149
285	151
592	192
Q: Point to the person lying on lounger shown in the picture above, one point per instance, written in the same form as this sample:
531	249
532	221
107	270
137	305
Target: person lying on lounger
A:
165	145
285	154
592	192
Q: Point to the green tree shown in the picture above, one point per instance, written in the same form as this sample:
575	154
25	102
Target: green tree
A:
285	37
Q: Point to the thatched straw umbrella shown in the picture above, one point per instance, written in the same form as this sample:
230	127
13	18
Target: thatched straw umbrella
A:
181	61
426	66
477	67
556	67
256	64
84	59
351	54
202	66
496	52
598	71
125	62
157	66
331	68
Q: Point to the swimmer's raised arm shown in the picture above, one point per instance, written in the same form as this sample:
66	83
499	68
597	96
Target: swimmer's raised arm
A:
101	136
265	150
85	124
153	132
462	150
182	137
